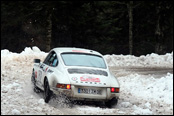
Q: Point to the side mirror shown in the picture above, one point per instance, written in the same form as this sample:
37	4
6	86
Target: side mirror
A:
36	60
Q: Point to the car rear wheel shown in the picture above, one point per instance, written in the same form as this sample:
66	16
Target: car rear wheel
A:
111	103
47	91
35	88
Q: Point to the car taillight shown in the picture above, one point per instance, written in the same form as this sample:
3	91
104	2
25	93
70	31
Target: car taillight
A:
112	89
63	86
115	90
68	86
60	86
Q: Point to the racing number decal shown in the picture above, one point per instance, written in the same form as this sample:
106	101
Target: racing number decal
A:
35	74
46	69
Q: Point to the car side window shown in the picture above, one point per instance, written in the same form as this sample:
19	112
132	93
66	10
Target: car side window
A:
47	58
52	59
55	62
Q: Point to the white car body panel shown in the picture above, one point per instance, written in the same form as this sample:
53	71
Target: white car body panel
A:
60	74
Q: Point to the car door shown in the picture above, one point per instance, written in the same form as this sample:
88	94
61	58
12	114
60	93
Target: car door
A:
50	62
42	68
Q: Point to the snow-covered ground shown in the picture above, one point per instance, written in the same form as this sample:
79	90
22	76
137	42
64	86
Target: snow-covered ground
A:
139	93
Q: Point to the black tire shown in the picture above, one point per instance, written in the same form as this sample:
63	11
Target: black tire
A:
35	88
111	103
47	91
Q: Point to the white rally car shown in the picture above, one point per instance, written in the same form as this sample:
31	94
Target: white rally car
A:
80	74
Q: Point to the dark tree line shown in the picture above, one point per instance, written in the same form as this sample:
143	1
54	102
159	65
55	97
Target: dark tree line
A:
119	27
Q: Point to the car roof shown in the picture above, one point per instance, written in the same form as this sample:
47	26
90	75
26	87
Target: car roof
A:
75	50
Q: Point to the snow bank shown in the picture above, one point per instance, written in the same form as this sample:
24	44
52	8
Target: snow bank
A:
150	60
145	94
27	53
27	56
149	88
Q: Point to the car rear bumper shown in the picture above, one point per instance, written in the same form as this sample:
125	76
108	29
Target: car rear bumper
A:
74	94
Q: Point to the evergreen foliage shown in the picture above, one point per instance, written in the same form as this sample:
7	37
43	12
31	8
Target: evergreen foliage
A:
99	25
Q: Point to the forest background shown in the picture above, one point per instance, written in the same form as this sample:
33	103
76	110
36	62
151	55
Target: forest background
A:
110	27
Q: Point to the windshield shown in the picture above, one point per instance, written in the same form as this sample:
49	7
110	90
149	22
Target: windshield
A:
81	59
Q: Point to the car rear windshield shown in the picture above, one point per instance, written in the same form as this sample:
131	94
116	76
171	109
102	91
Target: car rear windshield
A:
83	59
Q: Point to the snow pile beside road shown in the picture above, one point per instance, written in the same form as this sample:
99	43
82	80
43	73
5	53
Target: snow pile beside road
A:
149	88
153	94
150	60
28	53
27	56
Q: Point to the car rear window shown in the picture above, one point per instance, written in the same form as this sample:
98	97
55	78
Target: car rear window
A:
83	59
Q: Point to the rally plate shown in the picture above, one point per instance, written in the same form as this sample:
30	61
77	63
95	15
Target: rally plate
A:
89	91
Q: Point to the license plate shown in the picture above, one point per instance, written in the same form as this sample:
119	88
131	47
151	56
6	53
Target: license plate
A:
89	91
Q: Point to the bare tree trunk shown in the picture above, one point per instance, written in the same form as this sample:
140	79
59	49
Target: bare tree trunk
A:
49	33
158	32
172	37
171	33
130	12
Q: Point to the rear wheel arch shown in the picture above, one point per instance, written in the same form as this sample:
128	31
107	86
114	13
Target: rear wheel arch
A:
45	78
51	80
48	80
